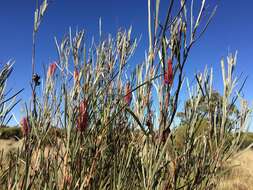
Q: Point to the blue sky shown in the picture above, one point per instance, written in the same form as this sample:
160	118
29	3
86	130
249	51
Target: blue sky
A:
231	30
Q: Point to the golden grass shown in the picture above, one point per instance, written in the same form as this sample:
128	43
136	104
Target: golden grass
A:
50	153
7	145
241	176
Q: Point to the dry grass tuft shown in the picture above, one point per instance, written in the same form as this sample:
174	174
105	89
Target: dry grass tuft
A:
241	177
7	145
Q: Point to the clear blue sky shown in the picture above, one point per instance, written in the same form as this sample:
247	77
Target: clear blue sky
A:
231	30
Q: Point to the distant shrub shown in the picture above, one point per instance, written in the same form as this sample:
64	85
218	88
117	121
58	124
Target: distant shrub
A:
247	139
180	133
10	132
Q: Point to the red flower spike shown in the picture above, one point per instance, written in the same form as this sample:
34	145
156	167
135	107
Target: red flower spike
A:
128	94
168	77
51	69
25	126
82	119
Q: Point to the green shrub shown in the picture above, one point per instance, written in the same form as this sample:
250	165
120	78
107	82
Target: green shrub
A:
247	139
116	132
10	132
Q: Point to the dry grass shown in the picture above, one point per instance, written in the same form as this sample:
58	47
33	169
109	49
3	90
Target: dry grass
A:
241	177
7	145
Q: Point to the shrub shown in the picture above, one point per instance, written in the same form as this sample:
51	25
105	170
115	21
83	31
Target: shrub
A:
247	140
10	132
119	132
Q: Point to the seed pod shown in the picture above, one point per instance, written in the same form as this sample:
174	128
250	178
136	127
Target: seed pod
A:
76	75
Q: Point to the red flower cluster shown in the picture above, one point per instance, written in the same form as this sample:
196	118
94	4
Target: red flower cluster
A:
128	94
168	76
51	69
82	119
25	126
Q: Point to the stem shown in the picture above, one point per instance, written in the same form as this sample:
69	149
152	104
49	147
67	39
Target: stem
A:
33	73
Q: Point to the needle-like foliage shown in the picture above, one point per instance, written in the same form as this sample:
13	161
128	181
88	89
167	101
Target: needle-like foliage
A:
112	130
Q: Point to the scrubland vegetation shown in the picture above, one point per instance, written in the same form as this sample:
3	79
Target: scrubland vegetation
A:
98	127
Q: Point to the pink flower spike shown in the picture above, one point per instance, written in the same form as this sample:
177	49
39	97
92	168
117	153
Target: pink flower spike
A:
128	94
51	69
82	119
25	126
168	77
